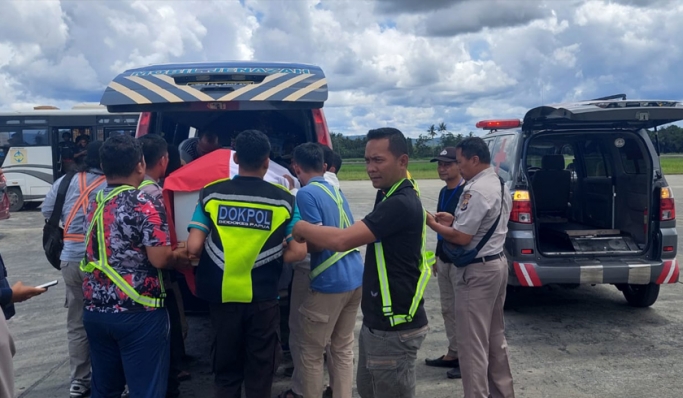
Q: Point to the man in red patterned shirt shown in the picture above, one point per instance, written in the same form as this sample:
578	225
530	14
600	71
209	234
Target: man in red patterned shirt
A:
125	317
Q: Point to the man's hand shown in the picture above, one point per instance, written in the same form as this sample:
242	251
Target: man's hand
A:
21	292
2	176
181	258
290	181
434	271
298	230
445	218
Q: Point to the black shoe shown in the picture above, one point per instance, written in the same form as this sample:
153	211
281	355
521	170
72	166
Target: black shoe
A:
441	363
454	373
288	371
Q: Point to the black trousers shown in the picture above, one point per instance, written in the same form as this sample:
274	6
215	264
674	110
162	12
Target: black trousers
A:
246	348
177	344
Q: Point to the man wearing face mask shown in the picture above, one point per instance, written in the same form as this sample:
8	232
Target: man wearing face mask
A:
480	224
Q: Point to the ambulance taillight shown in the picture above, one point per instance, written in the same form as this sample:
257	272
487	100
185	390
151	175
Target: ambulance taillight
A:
521	207
143	124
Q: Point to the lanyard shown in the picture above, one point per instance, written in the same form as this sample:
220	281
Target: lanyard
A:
443	204
393	189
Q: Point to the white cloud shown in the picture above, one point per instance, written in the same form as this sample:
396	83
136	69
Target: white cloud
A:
403	63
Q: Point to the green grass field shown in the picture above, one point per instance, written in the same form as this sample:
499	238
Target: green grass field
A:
354	169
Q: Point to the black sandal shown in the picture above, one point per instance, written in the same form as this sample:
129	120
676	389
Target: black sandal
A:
441	363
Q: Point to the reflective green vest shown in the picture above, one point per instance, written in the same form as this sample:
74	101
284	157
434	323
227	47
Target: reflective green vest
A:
343	223
427	260
102	263
244	224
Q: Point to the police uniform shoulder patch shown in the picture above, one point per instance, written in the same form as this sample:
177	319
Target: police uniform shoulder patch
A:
465	200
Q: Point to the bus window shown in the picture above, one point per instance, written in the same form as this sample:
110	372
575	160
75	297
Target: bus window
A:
35	121
108	132
35	137
5	134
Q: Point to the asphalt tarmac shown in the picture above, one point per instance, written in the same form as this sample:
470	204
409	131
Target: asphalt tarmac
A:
583	342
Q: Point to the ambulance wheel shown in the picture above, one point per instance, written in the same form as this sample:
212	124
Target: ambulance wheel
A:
640	296
16	199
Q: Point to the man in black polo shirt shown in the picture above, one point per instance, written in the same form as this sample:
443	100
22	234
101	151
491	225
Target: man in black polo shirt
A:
394	319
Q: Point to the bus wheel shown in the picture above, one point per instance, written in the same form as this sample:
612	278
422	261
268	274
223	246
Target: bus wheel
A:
16	199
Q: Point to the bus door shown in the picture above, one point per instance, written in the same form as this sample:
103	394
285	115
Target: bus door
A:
69	151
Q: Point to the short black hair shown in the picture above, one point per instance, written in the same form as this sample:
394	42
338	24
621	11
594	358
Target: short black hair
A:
207	132
337	162
154	147
475	146
253	148
397	141
92	156
310	157
328	155
66	134
120	154
82	137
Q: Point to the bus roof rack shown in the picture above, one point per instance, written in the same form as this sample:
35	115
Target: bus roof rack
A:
89	105
611	97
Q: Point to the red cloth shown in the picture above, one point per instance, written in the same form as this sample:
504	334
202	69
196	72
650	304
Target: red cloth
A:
190	178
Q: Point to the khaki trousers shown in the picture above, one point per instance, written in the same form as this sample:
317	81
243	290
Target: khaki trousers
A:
482	348
6	366
327	317
446	277
79	346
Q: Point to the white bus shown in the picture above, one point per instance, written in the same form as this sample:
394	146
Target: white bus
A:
30	152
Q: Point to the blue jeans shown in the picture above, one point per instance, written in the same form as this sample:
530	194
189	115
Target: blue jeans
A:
129	348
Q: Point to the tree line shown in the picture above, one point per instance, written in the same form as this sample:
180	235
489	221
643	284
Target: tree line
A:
426	145
670	139
437	136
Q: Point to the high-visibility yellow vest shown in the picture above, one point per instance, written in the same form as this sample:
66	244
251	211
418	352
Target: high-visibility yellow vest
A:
343	223
244	224
102	263
427	260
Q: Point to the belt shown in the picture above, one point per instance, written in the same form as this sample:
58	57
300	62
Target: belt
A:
487	258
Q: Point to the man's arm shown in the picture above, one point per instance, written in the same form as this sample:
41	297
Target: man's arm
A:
449	233
48	205
157	239
334	239
199	228
195	243
386	219
21	292
294	251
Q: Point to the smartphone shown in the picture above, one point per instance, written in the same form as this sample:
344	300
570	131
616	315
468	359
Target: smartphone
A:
46	285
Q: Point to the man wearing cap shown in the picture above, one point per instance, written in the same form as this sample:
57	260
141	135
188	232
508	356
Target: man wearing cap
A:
476	238
444	270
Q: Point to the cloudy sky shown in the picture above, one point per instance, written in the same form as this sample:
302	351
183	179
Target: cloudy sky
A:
403	63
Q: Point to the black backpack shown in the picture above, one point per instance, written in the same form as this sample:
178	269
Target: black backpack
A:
53	234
